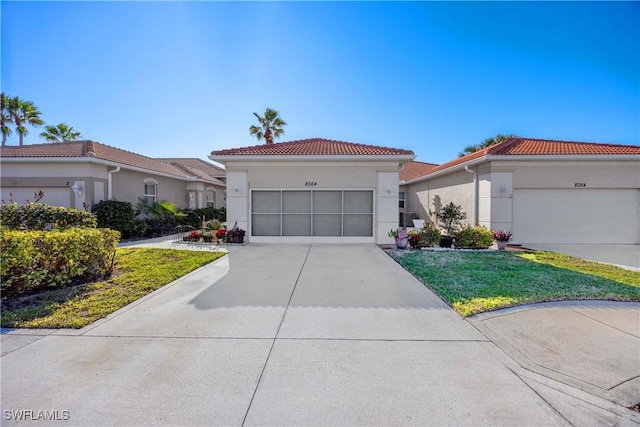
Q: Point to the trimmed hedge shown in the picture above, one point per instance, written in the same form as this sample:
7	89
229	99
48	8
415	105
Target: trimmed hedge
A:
38	216
193	217
35	259
119	216
476	237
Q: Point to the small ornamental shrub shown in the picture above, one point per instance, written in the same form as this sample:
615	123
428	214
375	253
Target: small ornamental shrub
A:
477	237
37	259
451	217
38	216
501	236
118	216
427	236
212	225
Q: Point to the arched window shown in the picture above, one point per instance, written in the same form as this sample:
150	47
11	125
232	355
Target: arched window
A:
150	189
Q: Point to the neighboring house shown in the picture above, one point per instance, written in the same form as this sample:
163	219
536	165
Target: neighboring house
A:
213	198
73	173
313	190
543	191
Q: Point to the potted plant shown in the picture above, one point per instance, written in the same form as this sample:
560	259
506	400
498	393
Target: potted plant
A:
502	237
401	237
235	234
450	217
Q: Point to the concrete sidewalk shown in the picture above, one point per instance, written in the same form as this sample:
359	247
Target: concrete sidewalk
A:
290	335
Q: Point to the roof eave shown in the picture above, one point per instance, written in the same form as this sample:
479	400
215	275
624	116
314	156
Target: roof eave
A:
311	158
97	161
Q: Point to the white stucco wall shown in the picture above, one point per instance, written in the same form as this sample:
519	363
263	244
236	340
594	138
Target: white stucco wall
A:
456	187
379	176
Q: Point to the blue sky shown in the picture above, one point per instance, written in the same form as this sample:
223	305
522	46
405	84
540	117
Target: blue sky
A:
180	79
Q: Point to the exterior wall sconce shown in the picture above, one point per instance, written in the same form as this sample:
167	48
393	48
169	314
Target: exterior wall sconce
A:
236	189
77	190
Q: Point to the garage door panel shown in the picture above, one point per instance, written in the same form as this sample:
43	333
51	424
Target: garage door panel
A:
265	224
296	225
59	196
327	225
358	225
576	216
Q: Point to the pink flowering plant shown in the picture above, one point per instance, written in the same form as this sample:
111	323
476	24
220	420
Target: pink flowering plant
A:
401	233
501	235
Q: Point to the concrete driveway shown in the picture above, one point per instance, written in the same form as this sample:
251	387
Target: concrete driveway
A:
285	335
625	256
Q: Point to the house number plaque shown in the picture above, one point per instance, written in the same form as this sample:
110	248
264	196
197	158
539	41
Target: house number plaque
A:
310	184
580	184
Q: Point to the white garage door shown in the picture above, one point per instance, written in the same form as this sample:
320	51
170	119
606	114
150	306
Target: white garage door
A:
54	196
576	216
312	213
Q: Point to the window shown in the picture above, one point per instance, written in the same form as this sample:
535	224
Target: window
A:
210	198
150	189
401	200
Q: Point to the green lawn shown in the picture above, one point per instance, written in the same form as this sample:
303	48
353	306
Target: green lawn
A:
475	282
137	273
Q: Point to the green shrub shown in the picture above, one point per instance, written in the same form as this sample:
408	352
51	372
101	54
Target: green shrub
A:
193	217
429	235
38	216
476	237
156	226
35	259
118	216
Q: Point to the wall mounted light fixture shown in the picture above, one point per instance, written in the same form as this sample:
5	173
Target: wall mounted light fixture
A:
77	190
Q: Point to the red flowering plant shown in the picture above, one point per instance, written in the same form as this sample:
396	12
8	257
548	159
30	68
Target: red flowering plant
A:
193	236
221	233
501	235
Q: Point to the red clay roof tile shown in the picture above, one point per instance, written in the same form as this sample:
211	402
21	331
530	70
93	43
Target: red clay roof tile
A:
312	147
544	147
412	170
92	149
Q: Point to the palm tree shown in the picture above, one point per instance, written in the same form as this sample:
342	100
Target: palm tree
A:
485	144
5	118
270	126
24	113
60	133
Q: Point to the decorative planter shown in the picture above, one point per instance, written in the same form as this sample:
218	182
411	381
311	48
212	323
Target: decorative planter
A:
502	245
401	243
236	239
446	241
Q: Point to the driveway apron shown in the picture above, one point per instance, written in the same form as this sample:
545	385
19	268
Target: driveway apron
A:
273	335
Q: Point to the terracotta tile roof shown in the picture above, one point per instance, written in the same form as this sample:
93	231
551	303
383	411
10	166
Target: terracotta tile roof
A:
544	147
313	147
95	150
195	163
412	170
524	146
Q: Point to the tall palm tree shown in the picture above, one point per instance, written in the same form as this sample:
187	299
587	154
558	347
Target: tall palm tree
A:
60	133
5	118
24	113
485	144
270	126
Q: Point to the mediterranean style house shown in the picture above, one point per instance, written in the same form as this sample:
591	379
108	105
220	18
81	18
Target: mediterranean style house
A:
320	190
72	174
544	191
